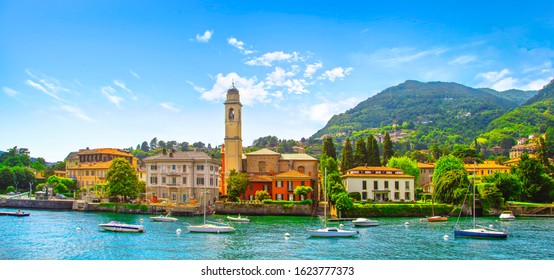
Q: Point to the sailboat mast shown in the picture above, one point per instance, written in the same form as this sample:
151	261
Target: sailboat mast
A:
474	174
325	195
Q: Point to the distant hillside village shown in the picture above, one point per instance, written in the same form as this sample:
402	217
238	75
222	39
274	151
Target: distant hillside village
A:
279	170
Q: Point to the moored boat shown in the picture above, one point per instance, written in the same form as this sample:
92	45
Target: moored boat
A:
507	215
437	219
19	213
363	222
121	227
238	219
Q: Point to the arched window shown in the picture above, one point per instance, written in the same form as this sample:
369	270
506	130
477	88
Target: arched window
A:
261	166
301	169
231	114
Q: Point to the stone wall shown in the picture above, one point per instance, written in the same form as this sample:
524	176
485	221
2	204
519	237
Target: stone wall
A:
259	209
39	204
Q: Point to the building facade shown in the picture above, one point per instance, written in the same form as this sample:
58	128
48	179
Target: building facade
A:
181	177
380	183
88	167
485	169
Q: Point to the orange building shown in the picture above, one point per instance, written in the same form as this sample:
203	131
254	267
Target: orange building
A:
88	167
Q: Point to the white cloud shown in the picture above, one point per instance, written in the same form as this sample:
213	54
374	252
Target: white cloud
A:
134	74
251	91
205	37
268	58
397	56
41	88
335	73
122	85
536	84
280	78
110	93
464	59
10	92
196	88
493	76
169	106
323	111
312	68
76	111
239	45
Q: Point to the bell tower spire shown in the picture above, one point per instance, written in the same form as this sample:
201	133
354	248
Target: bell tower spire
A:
233	132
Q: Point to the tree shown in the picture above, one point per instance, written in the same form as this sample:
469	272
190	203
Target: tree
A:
343	201
144	147
387	149
373	151
333	179
449	179
7	177
329	148
154	143
262	195
407	165
347	158
536	185
141	185
360	153
303	190
507	183
122	179
237	184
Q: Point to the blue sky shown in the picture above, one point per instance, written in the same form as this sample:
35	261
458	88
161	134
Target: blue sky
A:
76	74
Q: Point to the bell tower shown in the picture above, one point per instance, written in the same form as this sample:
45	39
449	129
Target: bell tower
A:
233	132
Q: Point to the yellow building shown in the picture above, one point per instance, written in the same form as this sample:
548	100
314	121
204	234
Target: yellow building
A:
485	169
88	167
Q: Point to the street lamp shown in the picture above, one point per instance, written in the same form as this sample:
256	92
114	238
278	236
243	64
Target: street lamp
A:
30	189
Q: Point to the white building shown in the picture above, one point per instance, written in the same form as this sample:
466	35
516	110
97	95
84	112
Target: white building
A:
181	176
380	183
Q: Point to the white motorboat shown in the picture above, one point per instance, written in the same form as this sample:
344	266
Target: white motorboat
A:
507	216
162	218
330	231
219	222
238	219
121	227
363	222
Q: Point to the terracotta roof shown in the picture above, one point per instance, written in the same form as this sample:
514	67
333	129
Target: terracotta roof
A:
297	157
293	174
111	151
425	165
378	175
260	178
263	151
373	168
486	166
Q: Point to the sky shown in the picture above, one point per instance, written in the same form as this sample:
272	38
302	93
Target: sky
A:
77	74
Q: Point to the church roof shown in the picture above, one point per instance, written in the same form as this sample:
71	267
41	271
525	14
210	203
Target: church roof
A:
263	151
292	174
297	157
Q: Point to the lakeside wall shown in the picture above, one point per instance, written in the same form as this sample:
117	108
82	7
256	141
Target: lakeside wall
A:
259	209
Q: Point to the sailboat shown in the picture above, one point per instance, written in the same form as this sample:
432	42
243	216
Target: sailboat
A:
434	218
478	231
209	227
330	231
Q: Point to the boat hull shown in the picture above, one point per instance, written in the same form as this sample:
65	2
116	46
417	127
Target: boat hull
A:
116	227
163	219
209	228
437	219
22	214
240	220
365	223
332	232
480	233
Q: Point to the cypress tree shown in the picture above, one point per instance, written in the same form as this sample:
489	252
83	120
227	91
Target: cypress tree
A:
387	149
373	151
347	158
329	148
360	153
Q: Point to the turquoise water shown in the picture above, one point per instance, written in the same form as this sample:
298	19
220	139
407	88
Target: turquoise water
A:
69	235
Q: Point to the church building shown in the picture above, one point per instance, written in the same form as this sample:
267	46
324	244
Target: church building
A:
278	174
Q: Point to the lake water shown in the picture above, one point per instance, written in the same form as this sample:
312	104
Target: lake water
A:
72	235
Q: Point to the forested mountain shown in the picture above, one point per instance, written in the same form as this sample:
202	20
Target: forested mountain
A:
514	95
534	117
431	113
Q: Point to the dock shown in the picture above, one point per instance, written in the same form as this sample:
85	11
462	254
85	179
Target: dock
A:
18	214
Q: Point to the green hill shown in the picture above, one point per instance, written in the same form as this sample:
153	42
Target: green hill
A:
514	95
534	117
434	112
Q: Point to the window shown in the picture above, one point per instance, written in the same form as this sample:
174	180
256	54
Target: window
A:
251	197
261	166
200	167
289	186
375	185
184	180
407	196
396	185
200	181
211	181
174	182
153	167
302	183
396	196
173	167
86	173
266	188
386	185
174	197
364	195
407	185
364	185
291	197
153	180
301	169
279	184
163	180
211	168
251	187
164	168
184	168
279	196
